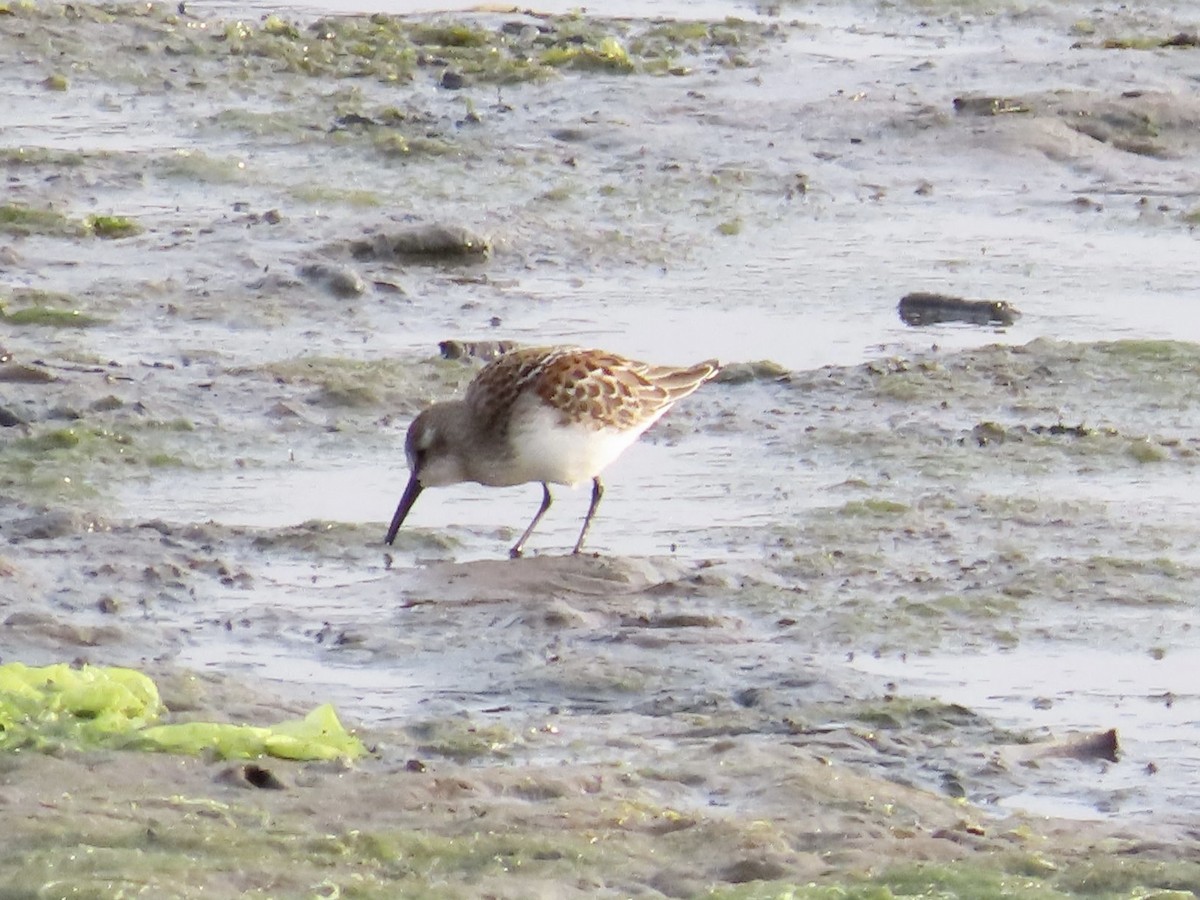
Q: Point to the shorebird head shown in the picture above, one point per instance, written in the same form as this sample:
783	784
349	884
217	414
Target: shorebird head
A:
433	460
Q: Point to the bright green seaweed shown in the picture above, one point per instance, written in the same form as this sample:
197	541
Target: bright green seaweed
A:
91	707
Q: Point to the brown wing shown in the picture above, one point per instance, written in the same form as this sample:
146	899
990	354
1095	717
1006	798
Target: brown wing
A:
594	387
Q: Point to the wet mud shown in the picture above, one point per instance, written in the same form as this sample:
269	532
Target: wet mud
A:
861	610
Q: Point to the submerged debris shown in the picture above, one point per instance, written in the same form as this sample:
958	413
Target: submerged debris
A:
481	350
924	308
989	106
1099	745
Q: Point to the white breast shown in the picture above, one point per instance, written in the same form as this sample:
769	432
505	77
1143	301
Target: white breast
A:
544	449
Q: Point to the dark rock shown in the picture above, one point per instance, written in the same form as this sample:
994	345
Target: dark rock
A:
924	308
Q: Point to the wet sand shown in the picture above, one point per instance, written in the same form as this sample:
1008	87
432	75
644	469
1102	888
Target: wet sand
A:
847	605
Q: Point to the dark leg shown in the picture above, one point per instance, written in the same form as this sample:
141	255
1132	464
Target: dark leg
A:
597	493
520	545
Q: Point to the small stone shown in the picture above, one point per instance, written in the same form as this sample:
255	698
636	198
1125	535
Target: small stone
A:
108	605
107	404
337	280
428	244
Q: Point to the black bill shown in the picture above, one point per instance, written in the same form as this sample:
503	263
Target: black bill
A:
410	497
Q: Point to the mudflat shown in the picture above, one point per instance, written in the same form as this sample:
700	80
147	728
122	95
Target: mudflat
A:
862	612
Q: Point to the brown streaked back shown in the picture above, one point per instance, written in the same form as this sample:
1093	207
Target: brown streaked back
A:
592	387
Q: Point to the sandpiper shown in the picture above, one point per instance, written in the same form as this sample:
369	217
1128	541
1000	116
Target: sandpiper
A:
557	415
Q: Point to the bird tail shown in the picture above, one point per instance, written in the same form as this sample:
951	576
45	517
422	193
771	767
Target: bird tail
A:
681	382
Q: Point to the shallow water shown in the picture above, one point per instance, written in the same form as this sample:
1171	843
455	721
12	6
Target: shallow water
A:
1068	688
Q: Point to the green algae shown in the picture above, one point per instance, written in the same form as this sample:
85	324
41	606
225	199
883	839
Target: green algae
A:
275	123
999	876
395	49
324	195
48	317
45	707
24	221
54	439
398	145
1151	42
462	739
1162	567
319	735
195	847
67	462
450	34
103	707
112	227
921	714
93	441
195	165
873	507
607	54
42	156
1172	353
